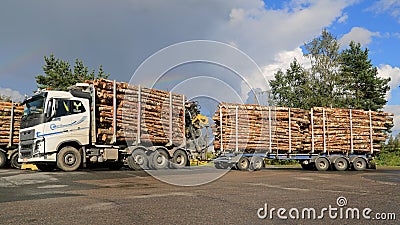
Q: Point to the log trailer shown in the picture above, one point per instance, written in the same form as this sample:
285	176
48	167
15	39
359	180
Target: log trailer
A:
62	129
9	134
346	139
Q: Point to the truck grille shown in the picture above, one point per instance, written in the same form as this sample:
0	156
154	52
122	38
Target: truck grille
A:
26	148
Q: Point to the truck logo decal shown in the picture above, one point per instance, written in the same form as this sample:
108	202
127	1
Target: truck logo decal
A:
76	122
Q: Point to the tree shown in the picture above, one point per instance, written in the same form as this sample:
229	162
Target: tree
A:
335	79
292	88
59	76
323	51
364	89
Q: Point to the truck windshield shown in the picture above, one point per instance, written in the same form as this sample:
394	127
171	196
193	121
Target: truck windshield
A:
34	106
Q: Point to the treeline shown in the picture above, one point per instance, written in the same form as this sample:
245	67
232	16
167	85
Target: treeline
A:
390	154
339	78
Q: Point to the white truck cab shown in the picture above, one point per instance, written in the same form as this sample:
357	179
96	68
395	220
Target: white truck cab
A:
53	120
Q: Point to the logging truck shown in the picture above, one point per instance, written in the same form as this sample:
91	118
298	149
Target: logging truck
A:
112	123
9	119
116	124
321	138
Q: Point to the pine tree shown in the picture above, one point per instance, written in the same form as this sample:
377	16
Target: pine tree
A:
58	74
364	89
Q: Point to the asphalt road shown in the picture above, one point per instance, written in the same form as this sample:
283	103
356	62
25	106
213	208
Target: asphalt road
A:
135	197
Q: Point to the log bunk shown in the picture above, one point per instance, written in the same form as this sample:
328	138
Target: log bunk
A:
254	128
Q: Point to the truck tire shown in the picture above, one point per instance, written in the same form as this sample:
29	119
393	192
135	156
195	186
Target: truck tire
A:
359	164
180	159
257	163
138	160
159	159
341	164
322	164
14	161
69	159
243	163
3	159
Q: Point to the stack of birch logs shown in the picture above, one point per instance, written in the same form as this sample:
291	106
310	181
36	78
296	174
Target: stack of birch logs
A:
254	128
259	128
7	109
157	123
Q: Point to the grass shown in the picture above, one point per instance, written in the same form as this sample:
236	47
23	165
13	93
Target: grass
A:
389	159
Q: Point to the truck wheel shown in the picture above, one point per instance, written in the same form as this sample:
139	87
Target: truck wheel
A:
69	159
243	163
359	164
179	159
14	161
341	164
322	164
159	159
3	159
257	163
138	160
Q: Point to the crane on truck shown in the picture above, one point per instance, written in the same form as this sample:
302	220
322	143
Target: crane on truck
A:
59	129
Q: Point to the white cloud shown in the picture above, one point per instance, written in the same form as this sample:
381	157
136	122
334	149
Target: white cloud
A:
343	18
282	61
395	109
387	6
358	34
387	71
14	95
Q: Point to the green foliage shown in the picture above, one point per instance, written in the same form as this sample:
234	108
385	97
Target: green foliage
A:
59	75
390	154
323	52
363	88
335	79
292	88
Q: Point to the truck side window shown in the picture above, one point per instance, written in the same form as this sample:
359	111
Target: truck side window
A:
63	108
77	107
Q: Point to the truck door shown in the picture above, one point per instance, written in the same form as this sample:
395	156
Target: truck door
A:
70	123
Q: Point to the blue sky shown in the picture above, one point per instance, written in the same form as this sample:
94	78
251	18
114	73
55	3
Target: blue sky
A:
121	35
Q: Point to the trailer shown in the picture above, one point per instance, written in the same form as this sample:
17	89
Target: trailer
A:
110	123
321	138
10	115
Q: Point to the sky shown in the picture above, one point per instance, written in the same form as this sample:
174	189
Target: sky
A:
249	40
